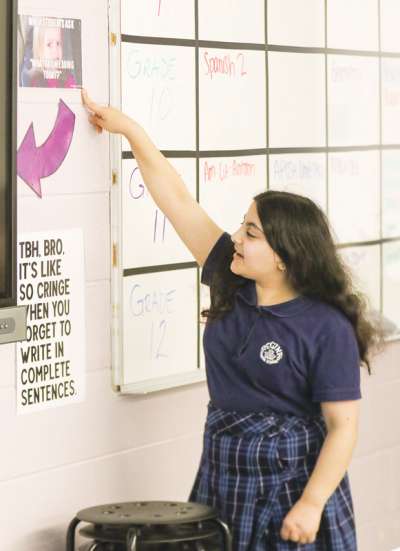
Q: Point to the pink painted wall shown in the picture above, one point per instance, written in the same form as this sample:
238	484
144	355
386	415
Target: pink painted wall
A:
375	468
121	448
108	448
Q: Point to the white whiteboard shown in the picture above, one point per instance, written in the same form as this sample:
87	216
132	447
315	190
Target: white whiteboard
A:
239	101
390	100
158	18
352	24
354	204
296	99
232	99
232	181
158	243
353	107
390	36
391	193
391	281
366	264
301	173
160	325
232	21
284	16
158	91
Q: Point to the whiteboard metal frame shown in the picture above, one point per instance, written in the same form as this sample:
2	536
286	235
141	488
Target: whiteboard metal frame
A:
163	383
198	374
115	198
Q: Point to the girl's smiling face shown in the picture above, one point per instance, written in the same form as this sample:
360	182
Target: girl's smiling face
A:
254	258
52	43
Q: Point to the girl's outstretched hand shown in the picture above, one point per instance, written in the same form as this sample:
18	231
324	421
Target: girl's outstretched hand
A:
108	118
302	522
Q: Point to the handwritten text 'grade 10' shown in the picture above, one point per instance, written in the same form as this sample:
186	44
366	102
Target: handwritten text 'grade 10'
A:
160	69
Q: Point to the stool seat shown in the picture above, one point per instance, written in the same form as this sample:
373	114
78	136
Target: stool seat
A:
138	513
151	535
151	526
205	545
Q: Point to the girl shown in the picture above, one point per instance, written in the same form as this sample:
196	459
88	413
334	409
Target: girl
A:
284	339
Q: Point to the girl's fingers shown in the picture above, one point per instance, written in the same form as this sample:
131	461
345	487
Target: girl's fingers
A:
285	533
297	537
106	118
290	534
97	121
89	103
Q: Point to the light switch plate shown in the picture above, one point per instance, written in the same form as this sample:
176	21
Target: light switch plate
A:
12	324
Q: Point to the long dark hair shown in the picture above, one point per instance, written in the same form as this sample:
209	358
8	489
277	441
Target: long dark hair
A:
299	232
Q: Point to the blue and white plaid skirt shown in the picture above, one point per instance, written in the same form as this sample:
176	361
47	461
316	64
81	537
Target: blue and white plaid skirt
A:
254	468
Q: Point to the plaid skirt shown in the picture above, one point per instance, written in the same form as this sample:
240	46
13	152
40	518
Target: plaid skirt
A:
254	468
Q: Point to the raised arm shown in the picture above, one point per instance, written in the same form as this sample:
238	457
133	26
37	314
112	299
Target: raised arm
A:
193	225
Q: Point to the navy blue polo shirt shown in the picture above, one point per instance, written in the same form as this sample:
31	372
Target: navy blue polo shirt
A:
288	357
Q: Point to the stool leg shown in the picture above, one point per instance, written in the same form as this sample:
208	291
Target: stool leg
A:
95	545
226	534
71	534
131	540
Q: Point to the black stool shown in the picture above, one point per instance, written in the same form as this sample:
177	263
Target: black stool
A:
151	526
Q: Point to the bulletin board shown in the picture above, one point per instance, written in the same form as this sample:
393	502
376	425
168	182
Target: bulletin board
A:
296	95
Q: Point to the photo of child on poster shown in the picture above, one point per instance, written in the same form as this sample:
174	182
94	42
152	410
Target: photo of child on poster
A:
49	52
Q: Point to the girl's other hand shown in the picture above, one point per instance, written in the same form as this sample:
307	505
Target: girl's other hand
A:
302	522
108	118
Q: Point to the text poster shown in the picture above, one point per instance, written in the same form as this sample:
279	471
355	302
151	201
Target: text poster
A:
51	283
49	52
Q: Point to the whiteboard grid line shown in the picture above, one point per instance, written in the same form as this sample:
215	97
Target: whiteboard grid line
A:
369	243
329	51
380	166
170	153
160	268
266	87
268	151
204	154
160	41
232	45
338	149
197	92
326	111
197	83
190	43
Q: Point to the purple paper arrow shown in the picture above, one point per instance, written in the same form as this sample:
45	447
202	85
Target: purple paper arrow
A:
34	163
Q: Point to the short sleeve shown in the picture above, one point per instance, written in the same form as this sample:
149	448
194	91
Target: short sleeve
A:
335	369
215	256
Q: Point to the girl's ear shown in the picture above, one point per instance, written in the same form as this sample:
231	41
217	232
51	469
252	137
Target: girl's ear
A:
280	265
278	259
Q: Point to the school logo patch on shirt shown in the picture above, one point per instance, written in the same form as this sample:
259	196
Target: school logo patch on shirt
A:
271	353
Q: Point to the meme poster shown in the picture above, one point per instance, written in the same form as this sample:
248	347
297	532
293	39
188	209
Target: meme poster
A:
51	283
49	52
